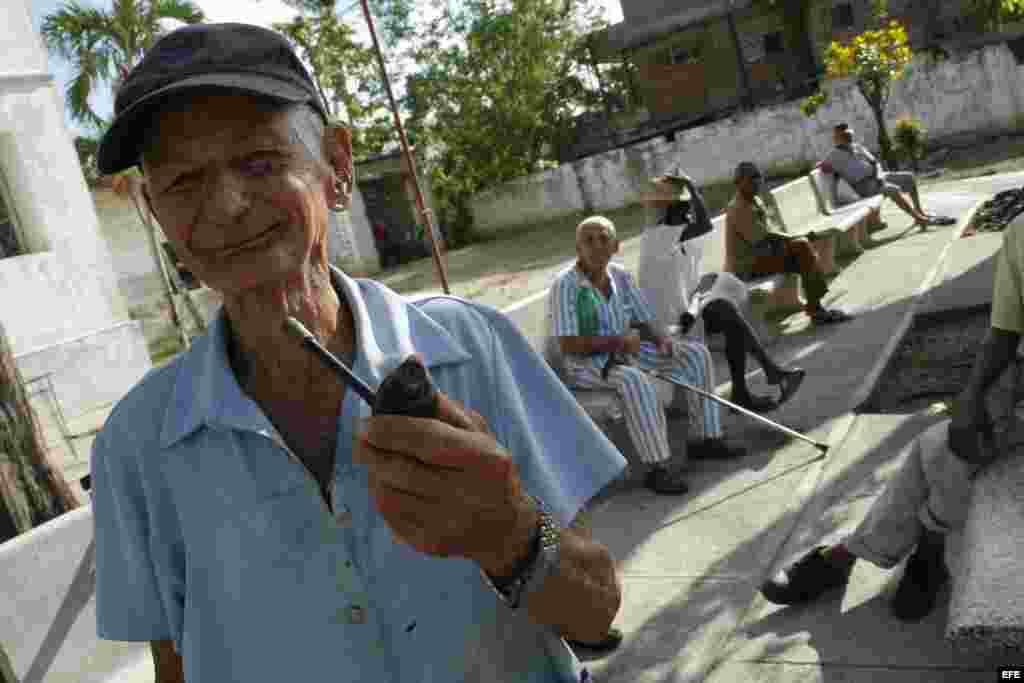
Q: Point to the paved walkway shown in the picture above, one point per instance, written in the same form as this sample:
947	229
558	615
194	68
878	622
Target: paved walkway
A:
691	566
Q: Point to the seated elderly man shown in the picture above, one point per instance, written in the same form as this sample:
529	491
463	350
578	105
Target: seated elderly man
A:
592	309
864	173
754	249
253	520
929	495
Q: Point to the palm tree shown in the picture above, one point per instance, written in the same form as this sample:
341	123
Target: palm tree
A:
103	45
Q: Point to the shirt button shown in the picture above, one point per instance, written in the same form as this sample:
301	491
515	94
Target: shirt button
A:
356	614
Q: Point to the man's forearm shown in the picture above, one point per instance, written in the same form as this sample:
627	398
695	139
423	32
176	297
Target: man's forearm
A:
588	345
580	600
999	350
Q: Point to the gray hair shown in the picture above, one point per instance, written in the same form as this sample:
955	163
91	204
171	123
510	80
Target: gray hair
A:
599	221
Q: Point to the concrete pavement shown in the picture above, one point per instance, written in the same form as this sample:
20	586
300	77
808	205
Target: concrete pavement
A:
691	566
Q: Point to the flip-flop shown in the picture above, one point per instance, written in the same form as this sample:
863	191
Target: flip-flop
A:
790	384
942	220
829	317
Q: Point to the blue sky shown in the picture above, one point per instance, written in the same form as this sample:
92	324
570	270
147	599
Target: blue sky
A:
262	12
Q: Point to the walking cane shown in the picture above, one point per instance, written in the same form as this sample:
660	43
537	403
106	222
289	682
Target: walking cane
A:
739	409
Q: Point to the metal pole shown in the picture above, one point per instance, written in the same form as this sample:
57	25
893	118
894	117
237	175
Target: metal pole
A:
421	205
749	413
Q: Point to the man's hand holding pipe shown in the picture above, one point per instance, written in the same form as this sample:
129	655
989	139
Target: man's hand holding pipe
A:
447	488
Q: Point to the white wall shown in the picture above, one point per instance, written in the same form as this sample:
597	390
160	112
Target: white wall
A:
981	92
68	289
544	196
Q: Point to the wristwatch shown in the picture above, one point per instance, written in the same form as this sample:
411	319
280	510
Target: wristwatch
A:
541	562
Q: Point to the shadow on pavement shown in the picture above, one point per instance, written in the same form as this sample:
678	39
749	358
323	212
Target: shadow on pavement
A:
689	621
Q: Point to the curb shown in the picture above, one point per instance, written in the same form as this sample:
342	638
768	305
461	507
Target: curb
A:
843	426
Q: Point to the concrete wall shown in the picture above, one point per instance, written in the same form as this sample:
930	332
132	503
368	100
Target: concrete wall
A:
982	92
540	197
65	290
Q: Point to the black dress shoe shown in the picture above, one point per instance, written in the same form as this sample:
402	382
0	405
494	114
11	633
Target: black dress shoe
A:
714	449
923	578
806	580
667	482
608	644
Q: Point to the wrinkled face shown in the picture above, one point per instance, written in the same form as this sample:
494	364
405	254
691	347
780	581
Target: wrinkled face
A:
239	198
595	246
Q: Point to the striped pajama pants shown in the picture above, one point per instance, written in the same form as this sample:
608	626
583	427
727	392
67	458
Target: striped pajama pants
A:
645	416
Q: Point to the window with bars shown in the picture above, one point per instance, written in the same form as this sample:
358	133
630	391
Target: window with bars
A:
682	55
10	244
773	44
842	16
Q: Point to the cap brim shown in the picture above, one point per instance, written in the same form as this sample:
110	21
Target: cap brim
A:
121	146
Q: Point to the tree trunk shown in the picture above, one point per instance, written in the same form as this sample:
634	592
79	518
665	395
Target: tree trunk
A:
877	106
32	487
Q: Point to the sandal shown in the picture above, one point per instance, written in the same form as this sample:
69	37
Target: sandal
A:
829	317
789	384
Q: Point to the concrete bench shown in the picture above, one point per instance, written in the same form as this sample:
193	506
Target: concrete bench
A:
839	233
823	189
40	568
986	610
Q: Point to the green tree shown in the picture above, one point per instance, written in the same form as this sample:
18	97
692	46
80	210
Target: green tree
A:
103	45
346	74
991	14
875	60
497	92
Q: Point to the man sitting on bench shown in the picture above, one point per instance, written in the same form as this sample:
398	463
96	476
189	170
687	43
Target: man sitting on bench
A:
753	249
862	171
679	293
930	494
592	307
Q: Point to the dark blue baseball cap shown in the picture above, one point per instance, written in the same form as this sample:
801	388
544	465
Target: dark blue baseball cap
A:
232	57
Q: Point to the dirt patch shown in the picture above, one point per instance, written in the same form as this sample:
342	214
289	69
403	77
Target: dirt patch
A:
932	364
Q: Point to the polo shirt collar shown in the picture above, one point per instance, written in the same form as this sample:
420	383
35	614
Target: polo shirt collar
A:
388	329
584	281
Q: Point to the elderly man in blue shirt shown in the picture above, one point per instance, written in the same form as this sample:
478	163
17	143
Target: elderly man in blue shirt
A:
600	317
253	521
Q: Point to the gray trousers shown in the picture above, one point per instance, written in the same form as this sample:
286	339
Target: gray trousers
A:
891	182
931	491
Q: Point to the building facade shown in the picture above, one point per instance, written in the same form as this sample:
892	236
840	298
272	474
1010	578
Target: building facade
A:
59	300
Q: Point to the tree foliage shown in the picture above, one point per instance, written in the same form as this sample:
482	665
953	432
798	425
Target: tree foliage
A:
875	59
346	73
103	45
496	94
990	14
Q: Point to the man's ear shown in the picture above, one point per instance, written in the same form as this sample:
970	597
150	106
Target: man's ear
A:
339	151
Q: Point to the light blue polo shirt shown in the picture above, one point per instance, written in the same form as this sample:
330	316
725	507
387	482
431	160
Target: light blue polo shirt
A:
210	534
